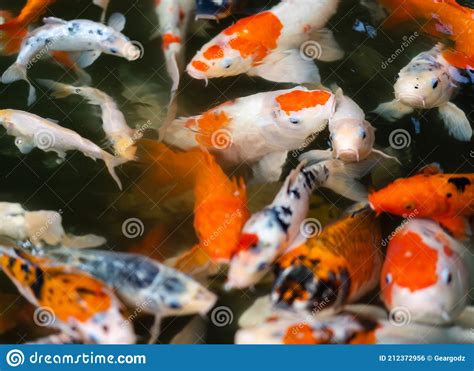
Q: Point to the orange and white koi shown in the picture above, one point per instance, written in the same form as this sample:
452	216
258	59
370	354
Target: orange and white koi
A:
33	131
429	81
426	273
218	217
278	227
268	44
174	16
352	136
259	129
83	308
446	198
216	10
338	266
140	282
87	39
114	124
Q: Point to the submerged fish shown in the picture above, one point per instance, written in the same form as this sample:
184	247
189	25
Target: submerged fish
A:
215	10
446	198
445	19
333	268
81	307
276	228
268	44
140	282
259	129
173	16
426	273
85	38
219	216
429	81
352	136
33	131
119	134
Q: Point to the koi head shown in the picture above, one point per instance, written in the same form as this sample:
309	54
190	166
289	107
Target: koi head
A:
218	59
181	295
352	140
424	274
259	245
426	88
300	112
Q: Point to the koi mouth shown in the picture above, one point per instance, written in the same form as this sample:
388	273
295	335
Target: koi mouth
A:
197	75
413	99
347	154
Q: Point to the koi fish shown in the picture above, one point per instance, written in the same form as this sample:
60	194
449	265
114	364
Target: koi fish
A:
429	81
40	227
33	131
223	210
119	134
444	19
259	129
216	10
85	38
276	228
352	136
268	44
338	266
174	17
80	306
15	29
446	198
426	273
139	282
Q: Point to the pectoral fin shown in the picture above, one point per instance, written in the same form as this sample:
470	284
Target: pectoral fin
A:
328	48
85	59
317	155
117	21
456	122
24	145
392	111
288	67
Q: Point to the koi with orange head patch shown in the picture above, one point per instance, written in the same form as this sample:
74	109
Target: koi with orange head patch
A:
339	265
281	226
429	81
268	44
426	273
82	307
443	197
445	19
259	129
173	17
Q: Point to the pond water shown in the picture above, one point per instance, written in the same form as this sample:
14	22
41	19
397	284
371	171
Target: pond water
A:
88	197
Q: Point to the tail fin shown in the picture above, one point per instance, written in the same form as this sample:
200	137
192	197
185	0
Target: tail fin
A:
112	162
343	178
194	261
17	72
58	90
12	34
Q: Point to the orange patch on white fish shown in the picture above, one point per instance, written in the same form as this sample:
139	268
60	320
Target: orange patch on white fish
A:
214	52
298	100
256	35
208	124
168	39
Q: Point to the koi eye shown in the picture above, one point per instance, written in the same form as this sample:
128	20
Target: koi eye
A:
363	134
78	91
435	83
226	63
294	120
388	278
410	206
446	276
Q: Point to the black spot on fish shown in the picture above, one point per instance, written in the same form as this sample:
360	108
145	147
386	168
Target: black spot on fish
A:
100	32
175	305
466	3
295	193
113	50
25	268
173	285
460	183
277	217
11	262
286	210
38	284
449	195
74	28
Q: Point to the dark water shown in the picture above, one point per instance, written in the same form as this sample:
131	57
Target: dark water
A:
88	196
